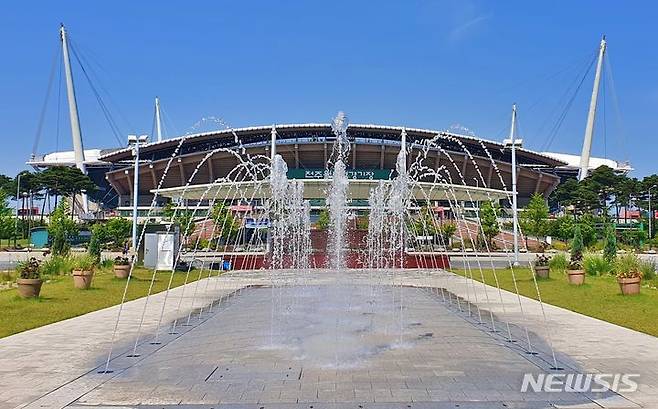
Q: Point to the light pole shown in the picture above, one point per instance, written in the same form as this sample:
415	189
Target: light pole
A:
135	141
18	194
512	142
650	215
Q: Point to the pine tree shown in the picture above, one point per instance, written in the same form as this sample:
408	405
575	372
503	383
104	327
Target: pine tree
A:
610	249
576	261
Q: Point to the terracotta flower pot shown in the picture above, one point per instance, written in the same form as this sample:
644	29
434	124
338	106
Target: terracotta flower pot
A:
82	279
542	271
576	277
29	287
629	286
121	271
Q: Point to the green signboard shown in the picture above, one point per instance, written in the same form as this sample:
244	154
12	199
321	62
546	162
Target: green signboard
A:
360	174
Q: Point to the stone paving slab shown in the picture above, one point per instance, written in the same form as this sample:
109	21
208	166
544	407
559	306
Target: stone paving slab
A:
332	345
581	343
37	362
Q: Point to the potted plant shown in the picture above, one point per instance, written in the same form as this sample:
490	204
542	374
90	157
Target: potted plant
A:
541	265
629	274
121	267
83	271
575	271
29	278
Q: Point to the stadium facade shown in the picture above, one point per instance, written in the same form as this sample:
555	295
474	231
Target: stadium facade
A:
307	148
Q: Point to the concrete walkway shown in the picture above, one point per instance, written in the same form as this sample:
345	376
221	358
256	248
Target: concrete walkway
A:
36	362
56	365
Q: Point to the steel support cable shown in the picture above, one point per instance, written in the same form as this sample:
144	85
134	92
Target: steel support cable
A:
556	128
113	126
544	79
89	63
59	105
155	109
615	103
605	121
44	107
563	99
166	119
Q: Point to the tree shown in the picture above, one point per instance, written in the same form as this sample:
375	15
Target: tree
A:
182	218
577	247
424	225
98	238
534	219
60	229
6	220
610	248
626	189
634	237
489	221
447	230
602	181
323	220
7	184
117	230
227	225
562	195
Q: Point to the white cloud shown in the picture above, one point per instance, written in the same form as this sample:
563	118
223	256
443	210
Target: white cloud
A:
458	32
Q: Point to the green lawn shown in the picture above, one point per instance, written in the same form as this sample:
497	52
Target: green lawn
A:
22	243
599	297
59	300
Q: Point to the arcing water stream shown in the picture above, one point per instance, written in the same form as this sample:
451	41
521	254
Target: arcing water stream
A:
403	231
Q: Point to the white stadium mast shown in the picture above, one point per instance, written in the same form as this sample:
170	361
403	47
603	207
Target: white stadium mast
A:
158	125
589	130
76	133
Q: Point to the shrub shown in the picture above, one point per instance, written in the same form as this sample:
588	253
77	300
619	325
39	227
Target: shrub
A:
323	220
627	266
596	265
610	248
576	260
121	261
61	227
542	260
633	237
98	236
106	263
203	244
56	265
447	230
559	245
648	269
85	262
118	230
28	269
559	263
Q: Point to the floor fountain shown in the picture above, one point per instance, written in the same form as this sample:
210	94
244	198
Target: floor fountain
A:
331	319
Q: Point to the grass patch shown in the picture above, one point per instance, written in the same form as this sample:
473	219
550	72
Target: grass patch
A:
21	243
59	300
599	297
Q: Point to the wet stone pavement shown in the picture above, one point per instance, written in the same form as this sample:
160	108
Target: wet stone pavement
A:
336	345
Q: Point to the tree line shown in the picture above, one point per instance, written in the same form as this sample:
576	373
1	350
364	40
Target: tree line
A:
47	186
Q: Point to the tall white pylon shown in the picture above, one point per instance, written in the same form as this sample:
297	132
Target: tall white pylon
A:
589	129
512	142
158	125
76	133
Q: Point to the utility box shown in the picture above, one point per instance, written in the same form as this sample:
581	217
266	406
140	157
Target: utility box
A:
159	248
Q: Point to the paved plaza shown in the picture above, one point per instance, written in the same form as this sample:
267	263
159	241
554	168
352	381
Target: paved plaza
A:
359	339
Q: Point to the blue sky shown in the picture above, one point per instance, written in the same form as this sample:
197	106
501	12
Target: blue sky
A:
427	64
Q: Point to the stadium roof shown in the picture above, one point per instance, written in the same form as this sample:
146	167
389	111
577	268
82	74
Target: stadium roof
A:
288	131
